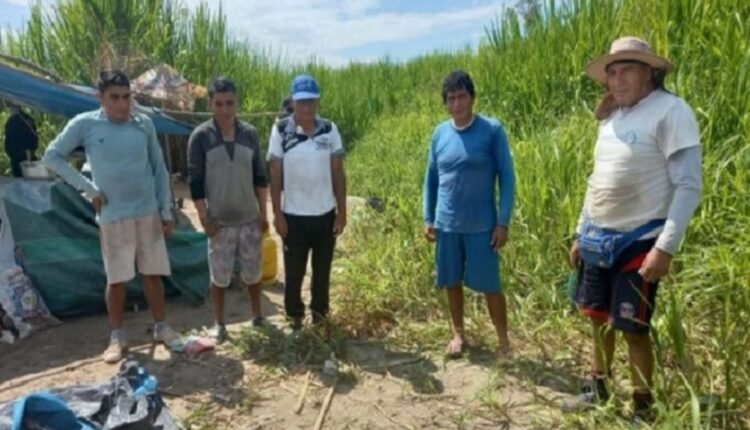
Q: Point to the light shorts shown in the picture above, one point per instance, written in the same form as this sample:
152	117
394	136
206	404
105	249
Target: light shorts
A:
134	242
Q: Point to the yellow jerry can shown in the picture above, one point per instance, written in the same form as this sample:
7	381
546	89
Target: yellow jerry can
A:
270	260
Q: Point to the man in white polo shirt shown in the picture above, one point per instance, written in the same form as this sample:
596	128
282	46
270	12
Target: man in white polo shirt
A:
645	186
307	169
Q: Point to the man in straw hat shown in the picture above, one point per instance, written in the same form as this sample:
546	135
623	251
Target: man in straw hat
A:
645	186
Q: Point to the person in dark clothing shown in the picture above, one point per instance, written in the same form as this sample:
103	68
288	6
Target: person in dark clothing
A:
287	108
21	139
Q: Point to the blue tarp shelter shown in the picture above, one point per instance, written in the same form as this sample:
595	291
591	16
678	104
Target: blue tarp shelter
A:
44	95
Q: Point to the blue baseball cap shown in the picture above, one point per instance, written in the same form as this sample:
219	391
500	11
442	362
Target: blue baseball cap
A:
304	87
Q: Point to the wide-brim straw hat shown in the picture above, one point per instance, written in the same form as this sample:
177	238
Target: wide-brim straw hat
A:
626	49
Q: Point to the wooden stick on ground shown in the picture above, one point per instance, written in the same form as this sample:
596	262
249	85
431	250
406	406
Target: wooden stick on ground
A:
402	425
301	400
287	388
168	393
326	405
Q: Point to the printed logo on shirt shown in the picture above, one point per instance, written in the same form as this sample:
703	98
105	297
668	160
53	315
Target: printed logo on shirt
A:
322	143
630	137
627	311
97	139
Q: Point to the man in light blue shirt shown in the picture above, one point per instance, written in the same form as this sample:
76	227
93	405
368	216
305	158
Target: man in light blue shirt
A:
469	158
131	195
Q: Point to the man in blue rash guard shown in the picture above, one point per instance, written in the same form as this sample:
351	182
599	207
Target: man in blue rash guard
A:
469	156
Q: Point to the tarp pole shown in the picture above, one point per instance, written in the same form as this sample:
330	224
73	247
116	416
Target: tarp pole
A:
168	158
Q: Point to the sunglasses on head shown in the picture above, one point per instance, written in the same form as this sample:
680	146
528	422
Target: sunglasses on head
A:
109	78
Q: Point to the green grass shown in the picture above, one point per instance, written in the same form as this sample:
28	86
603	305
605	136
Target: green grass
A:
529	75
534	84
200	418
274	349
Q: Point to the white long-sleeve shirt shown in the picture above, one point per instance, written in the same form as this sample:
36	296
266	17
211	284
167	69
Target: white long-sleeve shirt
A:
647	166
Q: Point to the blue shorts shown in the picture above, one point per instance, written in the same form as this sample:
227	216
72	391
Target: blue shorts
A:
467	258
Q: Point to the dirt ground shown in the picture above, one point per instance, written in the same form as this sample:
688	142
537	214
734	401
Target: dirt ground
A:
226	389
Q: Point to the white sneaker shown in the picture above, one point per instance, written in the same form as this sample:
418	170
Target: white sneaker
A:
167	336
115	351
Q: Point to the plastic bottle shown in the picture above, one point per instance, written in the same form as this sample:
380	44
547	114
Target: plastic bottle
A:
147	388
270	263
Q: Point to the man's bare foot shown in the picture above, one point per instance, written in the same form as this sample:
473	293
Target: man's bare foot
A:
455	347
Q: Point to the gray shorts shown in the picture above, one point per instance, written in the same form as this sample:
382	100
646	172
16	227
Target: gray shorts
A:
134	242
237	245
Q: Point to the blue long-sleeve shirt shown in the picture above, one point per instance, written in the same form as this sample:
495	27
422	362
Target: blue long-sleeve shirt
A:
463	168
127	165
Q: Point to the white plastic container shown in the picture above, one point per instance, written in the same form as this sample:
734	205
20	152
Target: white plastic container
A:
36	170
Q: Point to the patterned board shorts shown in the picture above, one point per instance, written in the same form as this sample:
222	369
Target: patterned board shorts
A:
619	294
232	246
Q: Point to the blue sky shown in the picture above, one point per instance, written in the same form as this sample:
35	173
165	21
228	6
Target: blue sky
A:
339	31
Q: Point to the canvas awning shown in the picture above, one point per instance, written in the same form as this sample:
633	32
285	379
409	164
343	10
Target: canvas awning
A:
44	95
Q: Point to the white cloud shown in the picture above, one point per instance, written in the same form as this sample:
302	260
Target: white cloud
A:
25	3
355	7
330	30
323	28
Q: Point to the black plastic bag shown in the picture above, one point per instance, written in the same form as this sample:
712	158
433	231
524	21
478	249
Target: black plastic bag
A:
114	405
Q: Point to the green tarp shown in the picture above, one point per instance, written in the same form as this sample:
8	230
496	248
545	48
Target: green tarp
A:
57	240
